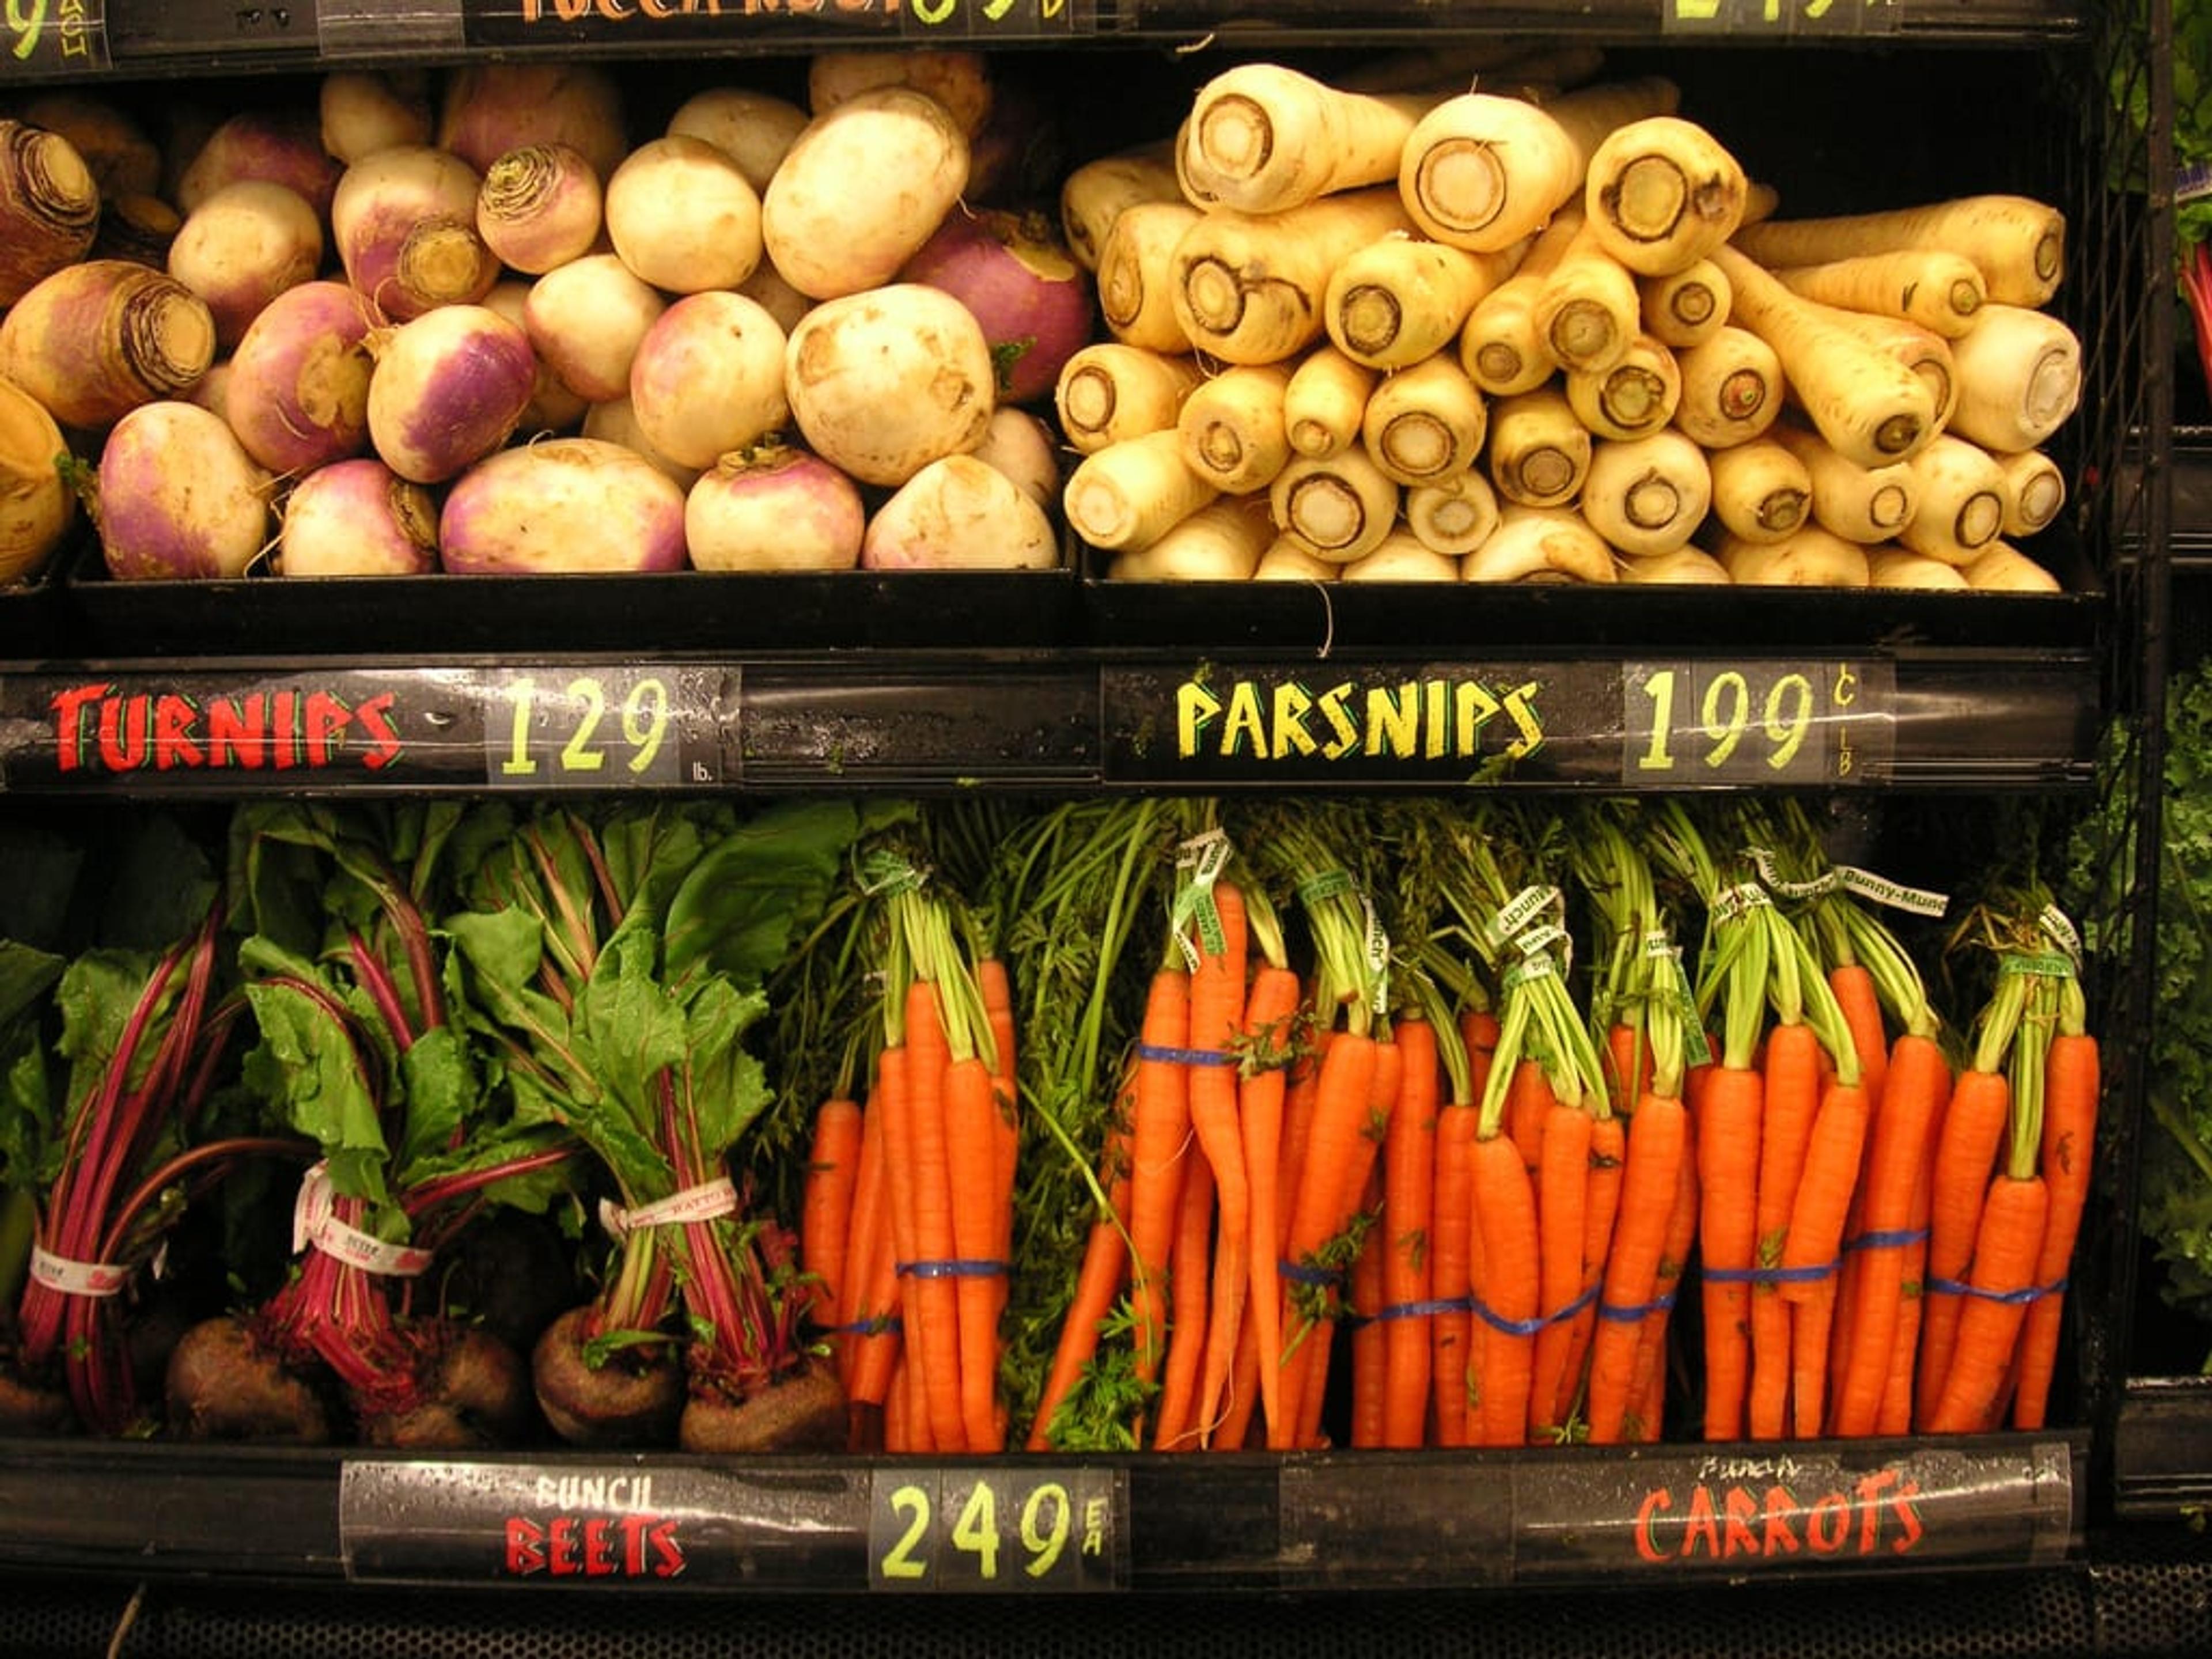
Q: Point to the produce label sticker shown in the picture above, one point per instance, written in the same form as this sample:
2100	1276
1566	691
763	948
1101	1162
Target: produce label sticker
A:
1010	1527
1694	723
1779	17
1695	1513
798	1525
792	22
347	28
546	728
54	37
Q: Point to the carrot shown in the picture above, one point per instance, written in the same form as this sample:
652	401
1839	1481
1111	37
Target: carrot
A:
1728	1229
978	1270
1371	1337
873	1345
1529	1103
1562	1202
1098	1281
1813	1242
2006	1248
1175	1425
932	1298
893	1098
1409	1172
1914	1092
1269	1007
1966	1151
825	1210
1450	1270
2069	1134
1608	1157
867	1247
1853	986
1895	1415
1217	1022
1510	1287
1655	1139
1628	1062
1159	1130
1648	1384
1356	1200
1791	1097
1342	1100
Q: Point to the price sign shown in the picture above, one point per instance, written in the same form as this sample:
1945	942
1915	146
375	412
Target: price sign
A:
990	19
52	36
1689	724
1778	17
593	728
997	1529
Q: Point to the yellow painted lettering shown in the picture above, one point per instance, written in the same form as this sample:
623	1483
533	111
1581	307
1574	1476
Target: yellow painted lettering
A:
1245	732
1292	704
1195	709
1474	706
1394	719
1344	730
1435	720
1521	709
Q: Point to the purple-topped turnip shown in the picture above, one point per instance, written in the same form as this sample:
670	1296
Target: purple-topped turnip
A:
1014	271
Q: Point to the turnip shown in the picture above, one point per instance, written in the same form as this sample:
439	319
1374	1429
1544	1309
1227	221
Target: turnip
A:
783	302
298	396
362	110
682	215
708	377
957	514
753	129
492	107
616	422
101	337
138	229
123	160
449	387
552	407
282	145
404	224
36	506
49	206
1019	444
774	508
586	319
1014	271
358	518
242	246
862	189
567	504
179	497
959	80
539	206
884	382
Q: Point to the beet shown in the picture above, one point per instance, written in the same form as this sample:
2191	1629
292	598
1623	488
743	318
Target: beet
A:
513	1274
473	1397
802	1411
27	1409
225	1384
635	1398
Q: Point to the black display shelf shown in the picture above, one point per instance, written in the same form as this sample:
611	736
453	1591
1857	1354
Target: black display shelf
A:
2162	1451
1310	1522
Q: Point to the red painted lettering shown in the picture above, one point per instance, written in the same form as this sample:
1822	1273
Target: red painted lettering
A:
526	1553
373	718
1868	1492
175	718
1828	1528
1781	1536
1911	1528
1656	1501
238	731
123	730
1702	1523
327	719
71	709
1741	1508
284	730
667	1550
560	1545
599	1558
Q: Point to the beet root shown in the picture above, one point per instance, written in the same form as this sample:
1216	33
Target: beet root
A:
223	1383
633	1399
473	1396
802	1411
31	1409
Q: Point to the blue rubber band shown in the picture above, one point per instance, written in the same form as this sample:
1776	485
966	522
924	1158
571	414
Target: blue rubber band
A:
1811	1275
888	1324
1632	1314
1895	1239
1498	1321
1185	1056
1304	1272
1427	1310
954	1267
2030	1293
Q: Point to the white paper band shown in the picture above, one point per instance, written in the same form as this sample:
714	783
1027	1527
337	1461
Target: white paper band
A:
59	1273
316	1225
707	1202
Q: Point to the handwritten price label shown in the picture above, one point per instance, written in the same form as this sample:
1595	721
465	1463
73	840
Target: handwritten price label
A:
1778	17
600	728
998	19
51	35
1695	723
996	1529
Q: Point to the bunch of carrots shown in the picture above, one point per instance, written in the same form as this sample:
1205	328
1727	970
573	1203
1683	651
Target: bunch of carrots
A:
907	1217
1416	1122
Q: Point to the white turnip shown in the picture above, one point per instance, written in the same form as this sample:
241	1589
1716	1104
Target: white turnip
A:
774	508
683	217
708	377
403	225
362	110
449	387
615	421
242	246
298	384
1019	444
586	319
539	206
1015	272
959	80
861	190
567	504
36	506
753	129
957	514
884	382
358	518
179	497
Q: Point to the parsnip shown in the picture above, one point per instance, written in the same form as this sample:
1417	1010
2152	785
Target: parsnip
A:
1288	560
1539	544
1232	427
1634	397
1859	503
1099	192
1961	507
1939	290
1500	344
1923	351
1402	298
1126	494
2004	568
1662	193
1732	388
1251	288
2019	244
1401	556
1647	496
1263	138
1761	492
2019	376
1587	310
1135	277
1107	392
1684	566
1325	401
1221	542
1425	423
2035	491
1455	516
1539	452
1811	558
1889	565
1336	509
1683	308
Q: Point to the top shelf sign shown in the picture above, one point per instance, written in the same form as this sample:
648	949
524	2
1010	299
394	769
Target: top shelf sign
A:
638	22
45	38
1771	18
